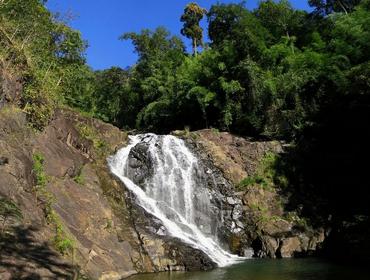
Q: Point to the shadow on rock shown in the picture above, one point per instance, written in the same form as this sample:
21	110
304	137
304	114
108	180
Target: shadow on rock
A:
23	257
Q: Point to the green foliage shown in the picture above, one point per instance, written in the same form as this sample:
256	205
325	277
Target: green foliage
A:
40	183
61	241
79	87
351	35
252	181
38	170
278	17
267	72
79	178
46	55
111	97
267	175
330	6
236	32
191	18
151	89
300	221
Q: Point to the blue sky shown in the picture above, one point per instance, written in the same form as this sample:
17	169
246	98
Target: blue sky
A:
101	22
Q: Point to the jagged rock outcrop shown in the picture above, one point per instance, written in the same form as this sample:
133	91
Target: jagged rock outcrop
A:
267	227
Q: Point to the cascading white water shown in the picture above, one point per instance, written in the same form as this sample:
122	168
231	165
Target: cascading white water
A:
168	193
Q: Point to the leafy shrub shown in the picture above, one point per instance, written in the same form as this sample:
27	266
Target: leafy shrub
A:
38	170
61	241
267	174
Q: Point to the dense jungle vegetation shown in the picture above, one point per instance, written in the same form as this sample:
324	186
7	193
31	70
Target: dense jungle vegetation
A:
267	72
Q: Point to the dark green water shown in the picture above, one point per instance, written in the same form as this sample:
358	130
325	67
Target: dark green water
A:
289	269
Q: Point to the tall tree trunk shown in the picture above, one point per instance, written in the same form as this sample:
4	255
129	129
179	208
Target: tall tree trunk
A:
195	51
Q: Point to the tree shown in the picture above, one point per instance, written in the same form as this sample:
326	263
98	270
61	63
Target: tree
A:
278	17
109	95
326	7
191	18
46	54
152	80
236	31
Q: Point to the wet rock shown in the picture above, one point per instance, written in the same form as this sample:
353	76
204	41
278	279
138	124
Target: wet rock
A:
140	166
216	210
165	253
189	258
248	253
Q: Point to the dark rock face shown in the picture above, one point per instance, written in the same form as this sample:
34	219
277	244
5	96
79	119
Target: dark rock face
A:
188	258
140	166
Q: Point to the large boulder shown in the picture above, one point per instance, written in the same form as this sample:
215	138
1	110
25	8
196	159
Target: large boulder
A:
140	165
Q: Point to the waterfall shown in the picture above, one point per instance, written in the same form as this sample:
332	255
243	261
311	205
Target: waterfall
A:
168	192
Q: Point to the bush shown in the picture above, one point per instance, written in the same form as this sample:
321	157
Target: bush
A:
267	174
38	170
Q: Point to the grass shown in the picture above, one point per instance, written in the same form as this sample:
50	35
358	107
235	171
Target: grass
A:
79	178
38	170
215	131
266	176
251	181
61	241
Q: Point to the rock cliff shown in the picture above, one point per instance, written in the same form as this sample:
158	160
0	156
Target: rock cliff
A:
65	216
267	226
